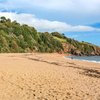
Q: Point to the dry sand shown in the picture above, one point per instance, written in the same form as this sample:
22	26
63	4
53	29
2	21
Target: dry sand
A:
47	77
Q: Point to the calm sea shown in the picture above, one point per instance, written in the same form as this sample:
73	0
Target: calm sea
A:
87	58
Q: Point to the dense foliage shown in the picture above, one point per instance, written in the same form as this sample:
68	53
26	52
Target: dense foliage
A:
22	38
15	37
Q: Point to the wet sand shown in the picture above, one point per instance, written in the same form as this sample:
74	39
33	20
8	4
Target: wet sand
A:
47	77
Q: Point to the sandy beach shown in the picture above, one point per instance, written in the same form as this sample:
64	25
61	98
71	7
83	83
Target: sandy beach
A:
39	76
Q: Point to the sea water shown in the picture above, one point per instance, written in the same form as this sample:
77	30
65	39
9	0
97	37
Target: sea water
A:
87	58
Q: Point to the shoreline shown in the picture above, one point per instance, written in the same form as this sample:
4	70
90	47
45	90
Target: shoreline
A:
92	61
39	76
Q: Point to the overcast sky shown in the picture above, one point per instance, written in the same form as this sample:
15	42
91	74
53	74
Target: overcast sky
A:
79	19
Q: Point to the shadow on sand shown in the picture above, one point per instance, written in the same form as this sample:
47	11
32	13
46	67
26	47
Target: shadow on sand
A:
86	71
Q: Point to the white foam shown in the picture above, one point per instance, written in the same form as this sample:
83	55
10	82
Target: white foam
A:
91	61
83	60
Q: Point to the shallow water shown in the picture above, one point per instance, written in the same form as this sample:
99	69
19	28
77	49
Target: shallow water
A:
87	58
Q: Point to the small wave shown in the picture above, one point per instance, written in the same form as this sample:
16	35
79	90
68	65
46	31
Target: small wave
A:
72	57
90	61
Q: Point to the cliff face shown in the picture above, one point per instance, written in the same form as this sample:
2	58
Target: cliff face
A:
97	51
69	48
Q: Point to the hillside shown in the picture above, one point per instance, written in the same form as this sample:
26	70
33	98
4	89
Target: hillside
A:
23	38
75	47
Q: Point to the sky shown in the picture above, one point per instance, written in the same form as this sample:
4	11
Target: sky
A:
78	19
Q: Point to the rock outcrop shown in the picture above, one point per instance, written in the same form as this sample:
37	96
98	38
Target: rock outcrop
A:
69	48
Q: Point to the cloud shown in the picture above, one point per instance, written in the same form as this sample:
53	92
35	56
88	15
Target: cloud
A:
62	5
78	6
46	25
73	11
